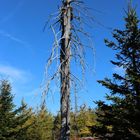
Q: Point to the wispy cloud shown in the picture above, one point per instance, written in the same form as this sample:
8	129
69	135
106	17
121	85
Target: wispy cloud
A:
13	73
13	38
21	84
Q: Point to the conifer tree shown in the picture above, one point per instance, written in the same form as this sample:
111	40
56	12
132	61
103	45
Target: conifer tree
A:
119	120
85	119
45	124
41	128
12	122
24	116
6	105
57	127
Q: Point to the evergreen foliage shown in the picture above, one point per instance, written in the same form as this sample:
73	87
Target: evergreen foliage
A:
57	126
119	120
12	121
42	126
24	124
85	119
80	123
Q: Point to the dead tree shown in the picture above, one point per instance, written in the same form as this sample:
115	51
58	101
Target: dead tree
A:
66	17
67	46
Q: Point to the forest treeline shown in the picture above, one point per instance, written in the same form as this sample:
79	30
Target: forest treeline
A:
25	123
118	119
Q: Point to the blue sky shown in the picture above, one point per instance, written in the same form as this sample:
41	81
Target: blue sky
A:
24	47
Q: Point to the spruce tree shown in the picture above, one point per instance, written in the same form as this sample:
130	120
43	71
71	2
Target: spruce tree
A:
41	125
57	126
6	116
12	121
119	119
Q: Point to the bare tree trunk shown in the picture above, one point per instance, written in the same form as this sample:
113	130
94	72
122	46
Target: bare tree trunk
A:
71	48
65	70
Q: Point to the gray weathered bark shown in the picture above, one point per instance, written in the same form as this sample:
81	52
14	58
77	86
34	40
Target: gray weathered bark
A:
65	70
67	47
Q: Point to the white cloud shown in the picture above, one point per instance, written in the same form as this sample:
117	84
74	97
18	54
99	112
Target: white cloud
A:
13	38
13	73
20	81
